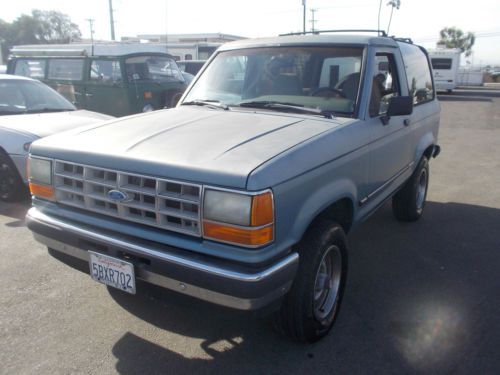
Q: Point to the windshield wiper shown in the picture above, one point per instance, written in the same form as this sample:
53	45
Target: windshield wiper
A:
46	110
208	103
286	107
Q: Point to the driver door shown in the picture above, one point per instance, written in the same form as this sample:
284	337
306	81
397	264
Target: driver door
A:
392	141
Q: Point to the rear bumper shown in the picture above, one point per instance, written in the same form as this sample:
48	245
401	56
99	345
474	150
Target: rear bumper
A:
223	283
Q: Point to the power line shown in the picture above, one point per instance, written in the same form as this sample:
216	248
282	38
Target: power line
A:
477	36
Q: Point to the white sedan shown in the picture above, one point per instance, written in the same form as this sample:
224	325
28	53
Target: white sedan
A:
30	110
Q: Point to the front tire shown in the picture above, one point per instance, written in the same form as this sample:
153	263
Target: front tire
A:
408	203
11	185
310	308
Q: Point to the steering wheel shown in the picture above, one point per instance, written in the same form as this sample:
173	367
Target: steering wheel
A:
329	91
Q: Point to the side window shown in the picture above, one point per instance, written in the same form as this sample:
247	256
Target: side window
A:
30	68
188	56
66	69
418	73
385	84
105	71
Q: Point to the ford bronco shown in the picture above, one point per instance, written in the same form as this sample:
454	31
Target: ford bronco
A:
244	193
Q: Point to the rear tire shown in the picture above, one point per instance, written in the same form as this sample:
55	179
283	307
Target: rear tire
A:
310	308
408	203
11	185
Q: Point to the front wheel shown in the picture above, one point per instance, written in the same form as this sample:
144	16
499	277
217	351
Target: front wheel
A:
408	203
11	185
310	308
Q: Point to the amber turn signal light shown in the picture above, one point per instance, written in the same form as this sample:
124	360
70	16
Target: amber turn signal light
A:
262	210
42	191
244	236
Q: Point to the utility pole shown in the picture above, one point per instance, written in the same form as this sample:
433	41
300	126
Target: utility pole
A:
111	20
304	16
313	20
91	26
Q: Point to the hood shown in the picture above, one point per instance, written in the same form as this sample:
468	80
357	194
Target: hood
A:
44	124
210	146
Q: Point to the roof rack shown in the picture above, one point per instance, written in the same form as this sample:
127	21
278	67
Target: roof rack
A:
404	40
380	32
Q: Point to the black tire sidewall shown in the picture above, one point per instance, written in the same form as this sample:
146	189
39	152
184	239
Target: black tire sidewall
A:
330	234
404	203
423	165
15	193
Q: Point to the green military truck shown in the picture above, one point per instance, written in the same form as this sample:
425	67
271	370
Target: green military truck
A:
115	79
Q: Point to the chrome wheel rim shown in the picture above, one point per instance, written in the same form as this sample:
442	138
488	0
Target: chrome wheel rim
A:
327	283
421	189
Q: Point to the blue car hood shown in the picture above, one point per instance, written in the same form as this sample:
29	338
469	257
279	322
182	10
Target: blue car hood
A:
203	145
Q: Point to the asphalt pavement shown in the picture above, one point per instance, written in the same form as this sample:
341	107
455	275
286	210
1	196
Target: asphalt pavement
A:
421	297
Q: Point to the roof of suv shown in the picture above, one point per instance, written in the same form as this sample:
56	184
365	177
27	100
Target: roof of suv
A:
313	39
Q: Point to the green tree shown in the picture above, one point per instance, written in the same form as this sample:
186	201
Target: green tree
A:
41	27
453	37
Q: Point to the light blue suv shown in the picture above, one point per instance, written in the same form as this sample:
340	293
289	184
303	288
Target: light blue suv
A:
243	194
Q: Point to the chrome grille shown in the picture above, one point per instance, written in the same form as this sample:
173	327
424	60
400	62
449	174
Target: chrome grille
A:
162	203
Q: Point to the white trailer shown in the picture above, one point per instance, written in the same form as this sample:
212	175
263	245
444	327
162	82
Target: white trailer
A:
445	63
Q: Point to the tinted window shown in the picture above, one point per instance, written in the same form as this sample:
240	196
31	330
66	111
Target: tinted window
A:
30	68
105	71
418	73
441	64
66	69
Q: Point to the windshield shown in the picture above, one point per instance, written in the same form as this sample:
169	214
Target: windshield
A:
152	68
323	78
19	96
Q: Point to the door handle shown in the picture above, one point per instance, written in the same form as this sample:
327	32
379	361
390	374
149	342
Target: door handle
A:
406	121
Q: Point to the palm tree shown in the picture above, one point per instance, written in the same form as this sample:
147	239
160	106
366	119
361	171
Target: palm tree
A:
394	4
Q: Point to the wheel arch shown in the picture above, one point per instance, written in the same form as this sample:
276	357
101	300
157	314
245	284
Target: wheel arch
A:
322	204
426	147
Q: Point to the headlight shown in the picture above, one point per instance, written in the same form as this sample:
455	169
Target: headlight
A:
227	207
238	218
40	170
40	177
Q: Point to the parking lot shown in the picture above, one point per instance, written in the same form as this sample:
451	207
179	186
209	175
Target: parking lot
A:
420	298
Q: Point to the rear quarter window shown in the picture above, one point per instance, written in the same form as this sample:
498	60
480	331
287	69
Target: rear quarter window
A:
66	69
418	73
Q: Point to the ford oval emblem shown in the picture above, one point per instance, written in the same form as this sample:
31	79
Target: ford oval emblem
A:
119	196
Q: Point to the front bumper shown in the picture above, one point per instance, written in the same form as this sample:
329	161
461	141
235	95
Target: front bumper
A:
206	278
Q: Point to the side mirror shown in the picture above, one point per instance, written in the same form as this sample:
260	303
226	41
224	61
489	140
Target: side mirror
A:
400	106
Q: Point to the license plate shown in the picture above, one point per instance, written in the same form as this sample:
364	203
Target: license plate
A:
113	272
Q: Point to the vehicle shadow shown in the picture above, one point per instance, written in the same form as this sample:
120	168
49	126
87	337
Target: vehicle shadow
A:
421	297
15	211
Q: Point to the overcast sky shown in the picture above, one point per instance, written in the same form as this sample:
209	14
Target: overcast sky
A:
421	20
